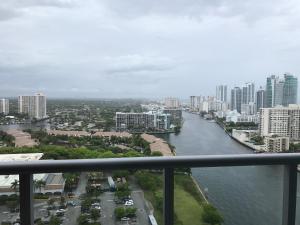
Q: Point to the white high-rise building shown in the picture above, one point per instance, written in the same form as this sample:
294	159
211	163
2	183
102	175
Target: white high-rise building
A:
4	106
221	93
171	102
248	93
280	121
34	106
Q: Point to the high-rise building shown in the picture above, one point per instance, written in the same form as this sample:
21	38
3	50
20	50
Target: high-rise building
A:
248	93
281	91
172	103
192	103
4	106
195	103
281	121
236	99
221	93
290	89
34	106
260	99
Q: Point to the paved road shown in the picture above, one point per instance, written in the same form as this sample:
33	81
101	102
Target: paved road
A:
71	215
108	206
139	202
81	185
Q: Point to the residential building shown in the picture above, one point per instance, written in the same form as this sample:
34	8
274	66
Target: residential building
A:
248	93
34	106
175	115
221	93
260	99
171	102
248	109
149	120
280	121
274	91
281	91
4	106
277	144
290	89
193	103
236	99
235	117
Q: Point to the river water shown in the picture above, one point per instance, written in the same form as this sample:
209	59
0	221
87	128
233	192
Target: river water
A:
249	195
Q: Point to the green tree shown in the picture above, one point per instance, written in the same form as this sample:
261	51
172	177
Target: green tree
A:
211	215
95	215
120	212
82	220
15	185
51	201
62	200
38	184
54	220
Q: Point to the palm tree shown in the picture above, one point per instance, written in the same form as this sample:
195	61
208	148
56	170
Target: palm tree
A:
15	185
38	184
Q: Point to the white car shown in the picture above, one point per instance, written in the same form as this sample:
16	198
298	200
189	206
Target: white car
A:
97	207
127	203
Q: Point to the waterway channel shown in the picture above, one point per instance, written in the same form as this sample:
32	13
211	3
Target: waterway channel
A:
249	195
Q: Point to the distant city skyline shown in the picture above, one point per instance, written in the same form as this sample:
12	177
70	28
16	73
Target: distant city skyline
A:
143	49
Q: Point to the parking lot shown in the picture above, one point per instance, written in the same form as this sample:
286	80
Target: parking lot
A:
107	204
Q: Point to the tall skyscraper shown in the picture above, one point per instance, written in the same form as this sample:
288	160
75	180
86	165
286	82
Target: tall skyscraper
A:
34	106
221	93
236	99
192	102
281	91
274	91
4	106
260	99
248	95
290	89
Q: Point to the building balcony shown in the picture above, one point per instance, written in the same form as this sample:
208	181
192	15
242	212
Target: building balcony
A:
27	169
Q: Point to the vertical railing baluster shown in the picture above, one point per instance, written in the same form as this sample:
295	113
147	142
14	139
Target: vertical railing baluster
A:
168	196
26	198
289	195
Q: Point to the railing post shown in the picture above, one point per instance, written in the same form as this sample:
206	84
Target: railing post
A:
168	196
289	195
26	199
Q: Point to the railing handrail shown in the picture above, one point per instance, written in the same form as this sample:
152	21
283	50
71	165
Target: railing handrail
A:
51	166
26	169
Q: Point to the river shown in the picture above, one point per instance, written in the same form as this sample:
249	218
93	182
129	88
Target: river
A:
249	195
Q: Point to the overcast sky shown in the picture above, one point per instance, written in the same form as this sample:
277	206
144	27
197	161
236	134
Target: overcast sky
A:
144	48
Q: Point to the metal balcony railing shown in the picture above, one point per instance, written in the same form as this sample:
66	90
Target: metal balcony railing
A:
27	169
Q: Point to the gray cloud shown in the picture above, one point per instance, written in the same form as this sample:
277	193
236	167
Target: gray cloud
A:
141	48
138	63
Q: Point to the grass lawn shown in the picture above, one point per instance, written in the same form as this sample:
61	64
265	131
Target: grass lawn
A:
187	208
187	202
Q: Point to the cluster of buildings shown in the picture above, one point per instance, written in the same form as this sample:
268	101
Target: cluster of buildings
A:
32	105
245	102
273	108
158	118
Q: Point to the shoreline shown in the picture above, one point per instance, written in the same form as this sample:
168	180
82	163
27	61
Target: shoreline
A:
235	139
199	189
